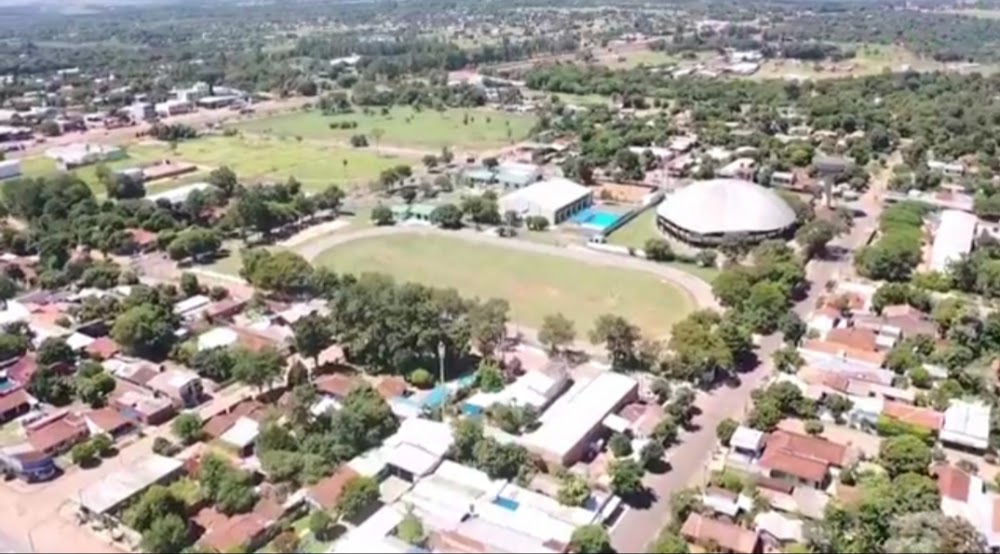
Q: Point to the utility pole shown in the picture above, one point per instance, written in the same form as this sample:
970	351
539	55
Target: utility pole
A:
441	352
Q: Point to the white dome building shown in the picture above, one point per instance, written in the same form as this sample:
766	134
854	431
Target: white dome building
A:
707	212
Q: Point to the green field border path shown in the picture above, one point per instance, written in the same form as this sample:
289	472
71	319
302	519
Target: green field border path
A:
699	291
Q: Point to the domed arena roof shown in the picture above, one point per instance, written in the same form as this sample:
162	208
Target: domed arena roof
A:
726	206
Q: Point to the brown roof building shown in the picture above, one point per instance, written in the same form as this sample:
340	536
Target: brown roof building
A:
57	433
102	349
108	420
326	493
853	338
706	532
337	385
391	387
925	418
220	423
801	457
13	404
952	482
846	352
225	534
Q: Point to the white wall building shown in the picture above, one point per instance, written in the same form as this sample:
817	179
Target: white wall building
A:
967	424
554	199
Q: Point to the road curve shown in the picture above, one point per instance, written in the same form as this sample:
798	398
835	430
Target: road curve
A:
699	291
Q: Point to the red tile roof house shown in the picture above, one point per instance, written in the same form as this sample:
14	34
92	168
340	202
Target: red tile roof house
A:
801	458
243	532
57	433
144	240
711	533
325	494
102	349
14	404
108	421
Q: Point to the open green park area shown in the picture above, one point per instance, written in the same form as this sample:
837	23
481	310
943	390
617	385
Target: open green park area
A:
636	232
253	159
536	285
465	129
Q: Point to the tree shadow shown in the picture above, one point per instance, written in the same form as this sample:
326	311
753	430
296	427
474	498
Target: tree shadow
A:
641	500
659	467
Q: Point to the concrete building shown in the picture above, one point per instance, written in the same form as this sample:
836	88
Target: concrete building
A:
174	107
508	175
570	425
115	489
554	199
953	169
178	195
77	155
140	111
967	425
10	169
706	213
953	238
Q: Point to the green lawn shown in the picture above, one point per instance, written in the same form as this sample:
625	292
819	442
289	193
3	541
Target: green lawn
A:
628	60
253	159
403	126
535	284
635	233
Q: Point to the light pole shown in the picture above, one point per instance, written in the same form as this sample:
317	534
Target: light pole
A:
441	352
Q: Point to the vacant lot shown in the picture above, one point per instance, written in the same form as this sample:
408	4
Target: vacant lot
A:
870	59
465	129
535	284
634	58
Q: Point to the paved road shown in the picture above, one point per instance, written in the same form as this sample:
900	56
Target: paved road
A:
689	459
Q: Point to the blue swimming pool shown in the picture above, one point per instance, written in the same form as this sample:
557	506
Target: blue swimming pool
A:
435	398
596	219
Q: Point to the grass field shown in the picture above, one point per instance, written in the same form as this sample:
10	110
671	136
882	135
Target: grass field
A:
253	160
870	59
535	284
635	233
405	127
635	58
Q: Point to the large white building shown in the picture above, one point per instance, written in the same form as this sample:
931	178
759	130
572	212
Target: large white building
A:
707	212
77	155
574	420
555	199
953	239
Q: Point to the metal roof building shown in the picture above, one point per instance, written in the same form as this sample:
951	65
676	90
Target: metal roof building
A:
953	238
706	212
554	199
121	486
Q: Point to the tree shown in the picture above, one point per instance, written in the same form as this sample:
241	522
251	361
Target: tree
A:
47	385
55	351
421	378
670	543
103	445
93	384
235	494
932	531
620	445
904	454
194	243
489	377
912	493
411	530
626	478
725	429
658	250
573	490
666	431
447	216
84	454
590	539
287	542
732	287
488	325
683	503
283	272
382	215
214	363
787	360
144	330
166	534
651	454
258	369
187	427
768	301
467	434
536	223
359	494
320	524
224	179
189	284
813	427
313	334
814	236
619	337
556	332
792	328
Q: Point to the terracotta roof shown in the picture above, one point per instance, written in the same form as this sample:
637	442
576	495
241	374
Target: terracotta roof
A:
108	419
901	310
13	400
830	312
808	447
853	337
52	432
103	348
837	349
952	482
914	415
777	485
223	534
703	530
220	423
224	307
391	387
142	237
327	492
22	370
452	542
337	384
254	341
791	464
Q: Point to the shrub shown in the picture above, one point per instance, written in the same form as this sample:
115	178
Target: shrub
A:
813	427
421	378
620	445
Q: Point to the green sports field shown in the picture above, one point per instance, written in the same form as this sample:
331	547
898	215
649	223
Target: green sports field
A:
466	129
535	284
